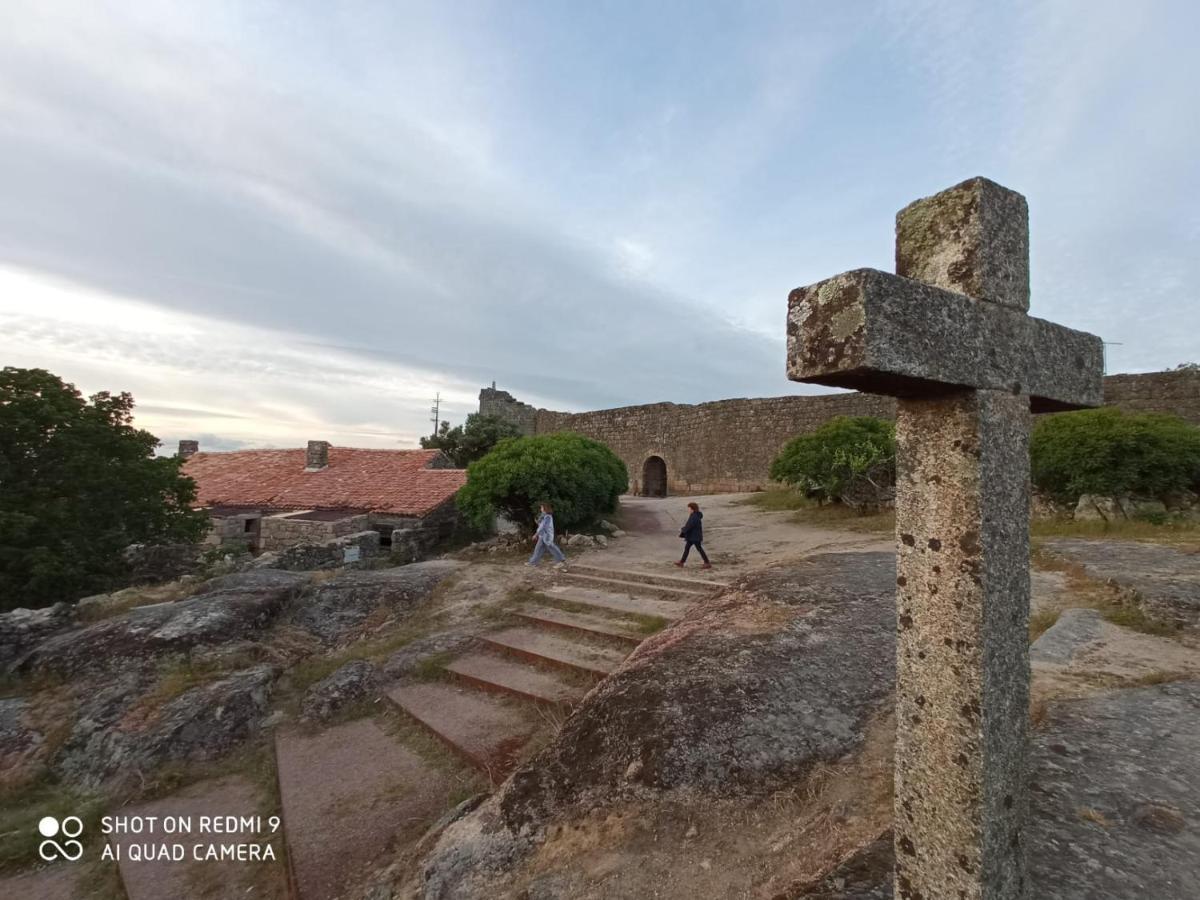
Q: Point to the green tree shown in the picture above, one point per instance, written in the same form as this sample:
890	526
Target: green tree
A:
1110	452
851	459
580	477
466	443
79	484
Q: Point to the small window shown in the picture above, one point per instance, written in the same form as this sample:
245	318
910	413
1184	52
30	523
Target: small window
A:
248	525
385	534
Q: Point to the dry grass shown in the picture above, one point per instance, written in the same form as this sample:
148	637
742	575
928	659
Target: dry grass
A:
1176	532
828	515
1088	814
1041	622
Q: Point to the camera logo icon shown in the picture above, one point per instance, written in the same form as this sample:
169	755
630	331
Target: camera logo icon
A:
70	828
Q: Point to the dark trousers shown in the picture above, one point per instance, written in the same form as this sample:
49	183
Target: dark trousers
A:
687	548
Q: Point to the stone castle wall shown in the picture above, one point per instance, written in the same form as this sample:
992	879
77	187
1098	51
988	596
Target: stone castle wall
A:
1176	392
728	445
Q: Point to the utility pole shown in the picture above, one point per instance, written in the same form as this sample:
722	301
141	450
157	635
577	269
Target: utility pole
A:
437	414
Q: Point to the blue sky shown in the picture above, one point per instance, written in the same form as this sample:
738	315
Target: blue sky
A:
275	222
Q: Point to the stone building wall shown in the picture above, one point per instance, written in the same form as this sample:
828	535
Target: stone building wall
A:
280	531
728	445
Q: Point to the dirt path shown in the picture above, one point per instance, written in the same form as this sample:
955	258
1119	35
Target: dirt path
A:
738	538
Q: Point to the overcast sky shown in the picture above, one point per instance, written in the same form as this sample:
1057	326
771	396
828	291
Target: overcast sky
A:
279	221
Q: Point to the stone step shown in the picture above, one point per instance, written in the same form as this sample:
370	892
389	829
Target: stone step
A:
350	794
542	646
620	629
495	673
700	582
159	879
484	729
621	603
632	587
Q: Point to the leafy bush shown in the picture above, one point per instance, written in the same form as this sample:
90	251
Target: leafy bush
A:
466	443
579	477
1110	452
851	459
78	485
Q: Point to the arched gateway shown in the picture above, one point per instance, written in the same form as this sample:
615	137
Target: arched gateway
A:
654	477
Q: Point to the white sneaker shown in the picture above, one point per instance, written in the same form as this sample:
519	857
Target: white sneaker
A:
561	565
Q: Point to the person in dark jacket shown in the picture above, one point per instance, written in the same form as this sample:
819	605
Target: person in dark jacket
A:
693	536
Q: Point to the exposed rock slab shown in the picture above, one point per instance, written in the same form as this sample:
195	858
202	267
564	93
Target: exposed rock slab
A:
61	882
113	738
349	795
213	879
356	680
23	629
336	609
227	608
1166	580
1116	796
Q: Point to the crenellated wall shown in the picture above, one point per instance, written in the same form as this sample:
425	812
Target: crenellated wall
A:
728	445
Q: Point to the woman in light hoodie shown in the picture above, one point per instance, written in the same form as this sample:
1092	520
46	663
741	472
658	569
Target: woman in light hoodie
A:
545	538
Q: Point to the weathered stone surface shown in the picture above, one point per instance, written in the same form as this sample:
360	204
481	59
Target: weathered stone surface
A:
706	708
1074	630
972	238
115	738
963	607
329	554
1164	580
405	660
23	629
20	741
355	681
1097	508
334	610
153	563
1116	796
867	875
884	334
233	606
212	879
1115	803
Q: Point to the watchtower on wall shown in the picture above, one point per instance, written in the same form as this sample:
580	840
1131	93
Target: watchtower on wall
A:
504	405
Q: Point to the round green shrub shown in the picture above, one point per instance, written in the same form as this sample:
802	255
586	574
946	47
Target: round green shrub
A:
851	459
579	477
1110	452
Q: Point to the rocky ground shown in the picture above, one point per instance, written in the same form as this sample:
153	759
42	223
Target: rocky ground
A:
742	749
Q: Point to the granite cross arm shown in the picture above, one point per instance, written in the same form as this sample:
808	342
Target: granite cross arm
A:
884	334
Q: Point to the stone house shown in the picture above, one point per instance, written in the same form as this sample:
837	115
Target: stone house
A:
274	499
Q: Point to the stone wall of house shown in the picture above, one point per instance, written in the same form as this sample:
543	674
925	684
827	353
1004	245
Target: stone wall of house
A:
349	550
280	531
728	445
412	538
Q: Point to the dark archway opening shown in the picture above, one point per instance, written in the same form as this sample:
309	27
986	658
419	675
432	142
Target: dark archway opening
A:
654	477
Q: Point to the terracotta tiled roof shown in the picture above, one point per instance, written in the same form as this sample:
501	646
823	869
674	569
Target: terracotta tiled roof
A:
383	481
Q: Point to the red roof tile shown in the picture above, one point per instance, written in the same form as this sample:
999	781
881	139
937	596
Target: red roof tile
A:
383	481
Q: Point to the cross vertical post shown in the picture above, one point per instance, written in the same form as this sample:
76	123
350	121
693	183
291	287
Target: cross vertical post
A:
950	337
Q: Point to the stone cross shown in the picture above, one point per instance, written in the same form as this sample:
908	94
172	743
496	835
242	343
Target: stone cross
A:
950	336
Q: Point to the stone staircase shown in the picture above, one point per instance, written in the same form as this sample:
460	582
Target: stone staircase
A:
349	792
522	678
